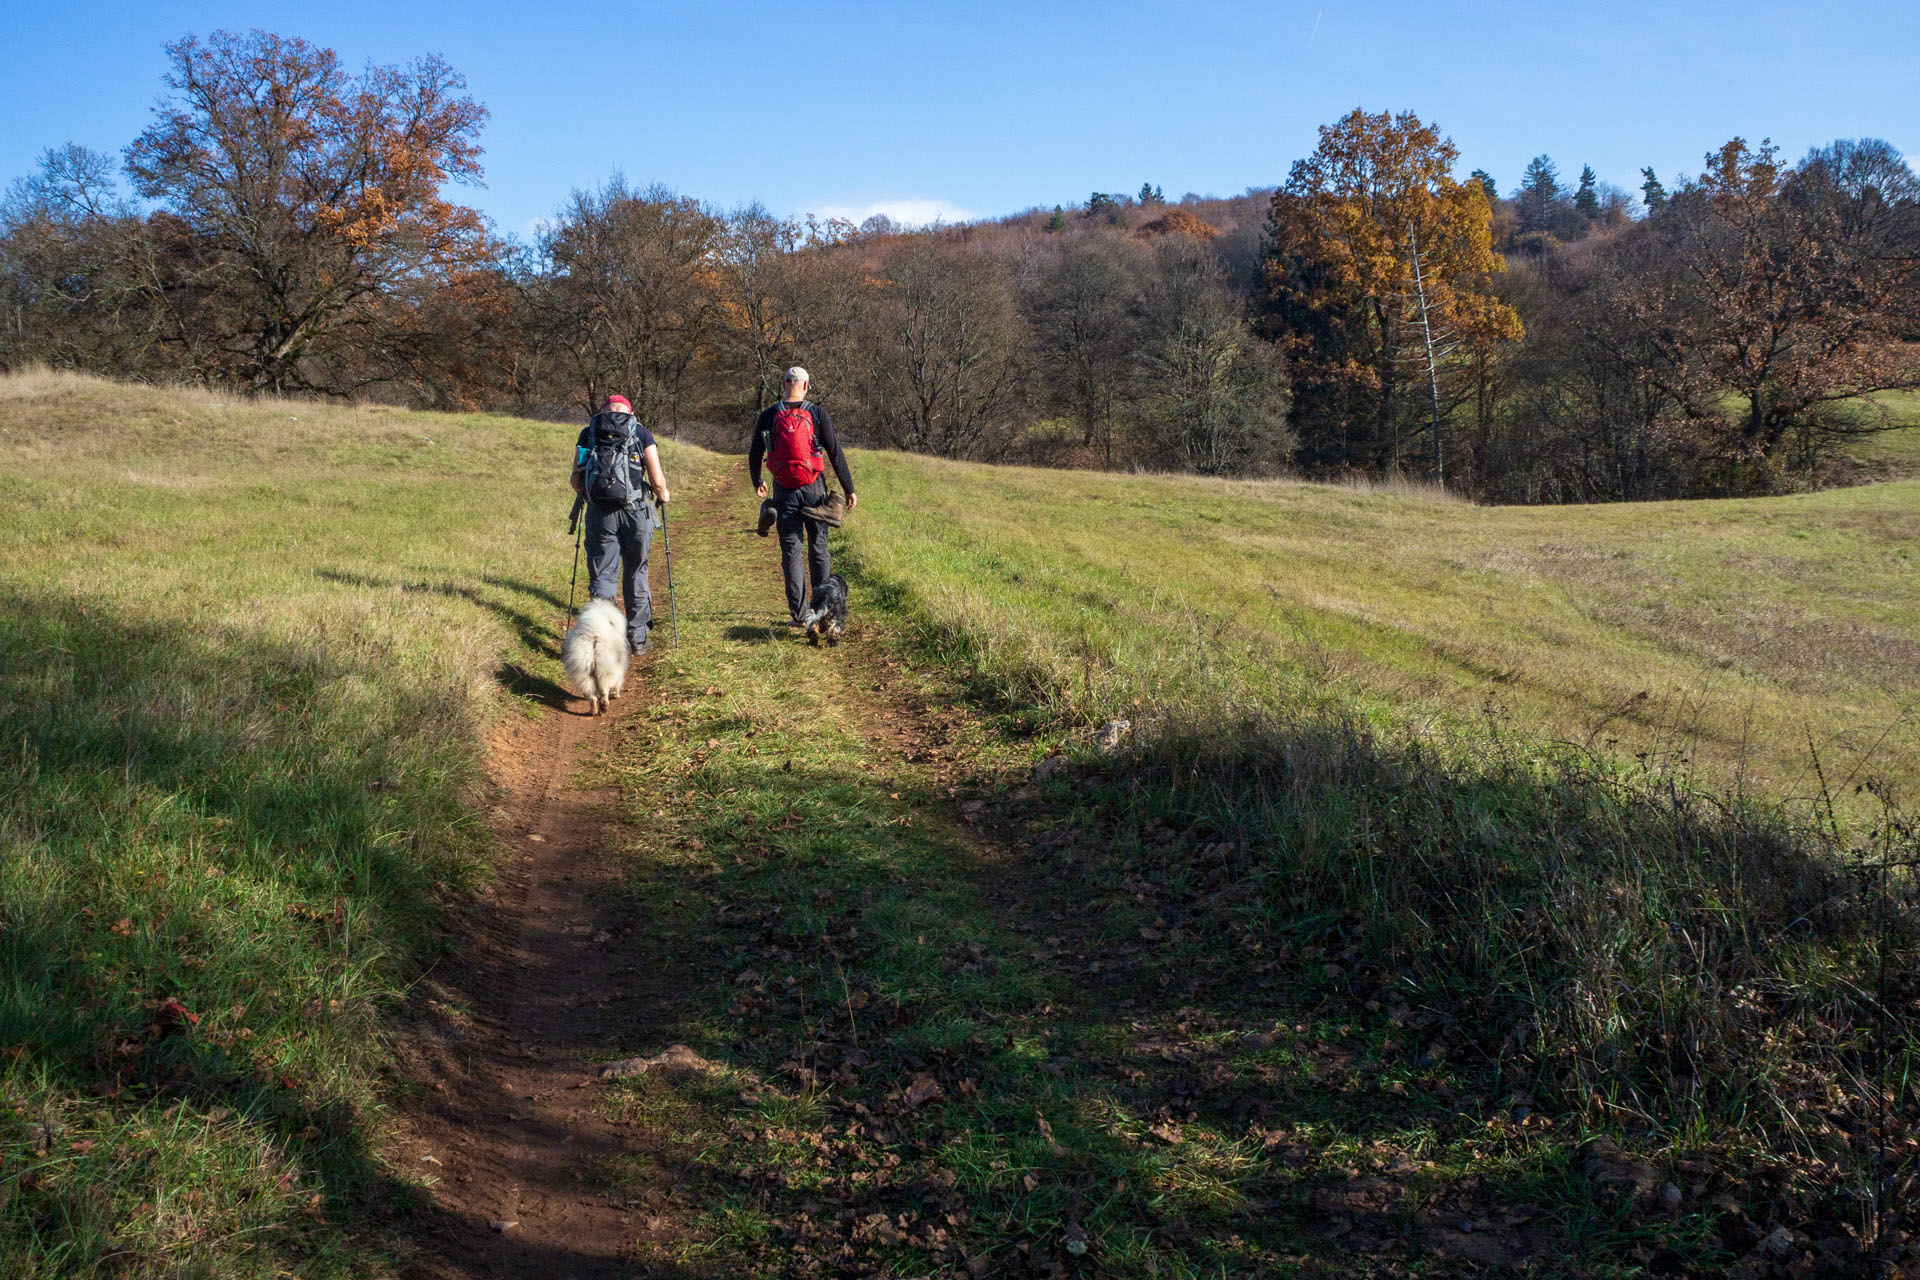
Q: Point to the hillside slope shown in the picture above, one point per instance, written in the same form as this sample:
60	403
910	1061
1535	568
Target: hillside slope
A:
248	654
1729	633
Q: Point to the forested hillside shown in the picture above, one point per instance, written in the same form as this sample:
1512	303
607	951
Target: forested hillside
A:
1733	330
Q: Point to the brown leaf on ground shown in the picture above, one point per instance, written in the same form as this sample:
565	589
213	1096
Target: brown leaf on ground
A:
922	1088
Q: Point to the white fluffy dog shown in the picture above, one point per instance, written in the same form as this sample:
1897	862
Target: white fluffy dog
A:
595	653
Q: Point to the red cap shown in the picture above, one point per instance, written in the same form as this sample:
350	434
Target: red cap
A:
620	402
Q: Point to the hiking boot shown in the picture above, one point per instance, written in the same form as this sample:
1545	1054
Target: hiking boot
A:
767	516
830	510
645	643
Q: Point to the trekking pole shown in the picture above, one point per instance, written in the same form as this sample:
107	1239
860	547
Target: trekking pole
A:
673	606
573	527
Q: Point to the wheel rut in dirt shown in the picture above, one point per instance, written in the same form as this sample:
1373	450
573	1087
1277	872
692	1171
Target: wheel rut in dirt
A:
553	978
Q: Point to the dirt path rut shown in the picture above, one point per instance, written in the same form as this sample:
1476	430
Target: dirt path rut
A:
549	983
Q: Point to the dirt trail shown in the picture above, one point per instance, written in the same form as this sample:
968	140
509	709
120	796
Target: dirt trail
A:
551	982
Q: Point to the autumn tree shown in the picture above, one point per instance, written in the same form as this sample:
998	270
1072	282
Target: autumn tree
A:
298	204
73	271
1802	292
1179	222
634	294
1341	295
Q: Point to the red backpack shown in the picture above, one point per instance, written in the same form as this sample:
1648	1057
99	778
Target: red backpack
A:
794	456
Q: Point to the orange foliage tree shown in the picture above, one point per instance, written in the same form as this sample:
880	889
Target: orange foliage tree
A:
1342	296
298	203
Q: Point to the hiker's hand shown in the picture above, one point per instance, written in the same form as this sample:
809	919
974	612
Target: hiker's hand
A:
761	488
665	497
853	500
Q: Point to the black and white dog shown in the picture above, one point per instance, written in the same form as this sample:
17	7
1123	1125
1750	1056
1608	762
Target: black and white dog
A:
826	613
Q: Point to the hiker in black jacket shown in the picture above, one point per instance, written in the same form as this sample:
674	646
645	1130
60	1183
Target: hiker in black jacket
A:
794	437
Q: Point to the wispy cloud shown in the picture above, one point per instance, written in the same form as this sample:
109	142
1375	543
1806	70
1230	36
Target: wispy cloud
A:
908	211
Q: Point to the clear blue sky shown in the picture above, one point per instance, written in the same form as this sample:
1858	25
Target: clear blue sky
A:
988	107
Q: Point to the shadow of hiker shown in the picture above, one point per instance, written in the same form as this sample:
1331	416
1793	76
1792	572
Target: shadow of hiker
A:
765	633
536	634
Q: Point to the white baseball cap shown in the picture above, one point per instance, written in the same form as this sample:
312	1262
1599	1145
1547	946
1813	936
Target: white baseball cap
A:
797	374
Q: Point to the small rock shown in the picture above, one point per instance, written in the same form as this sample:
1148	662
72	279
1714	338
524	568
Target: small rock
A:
1670	1196
1112	733
537	838
504	1224
1048	767
429	1159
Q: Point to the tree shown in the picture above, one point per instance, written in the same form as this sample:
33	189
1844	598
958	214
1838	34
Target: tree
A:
1106	207
1085	329
753	252
1587	199
634	293
1057	223
1486	182
297	203
1652	193
73	269
944	375
1213	395
1802	296
1179	222
1539	198
1150	196
1340	287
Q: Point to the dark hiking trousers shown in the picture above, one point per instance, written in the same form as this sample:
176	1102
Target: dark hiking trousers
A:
803	542
617	544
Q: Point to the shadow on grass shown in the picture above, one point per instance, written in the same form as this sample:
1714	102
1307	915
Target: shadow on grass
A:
535	633
1270	989
218	854
765	633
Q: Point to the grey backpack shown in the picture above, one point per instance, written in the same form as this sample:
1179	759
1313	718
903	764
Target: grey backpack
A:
612	454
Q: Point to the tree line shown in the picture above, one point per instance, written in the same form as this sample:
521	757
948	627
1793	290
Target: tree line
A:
286	227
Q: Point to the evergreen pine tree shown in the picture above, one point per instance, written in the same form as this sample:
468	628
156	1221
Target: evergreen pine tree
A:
1149	194
1586	199
1539	196
1652	194
1485	180
1058	222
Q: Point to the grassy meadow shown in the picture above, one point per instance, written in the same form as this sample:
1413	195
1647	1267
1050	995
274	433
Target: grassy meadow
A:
1330	969
1463	895
1718	638
248	651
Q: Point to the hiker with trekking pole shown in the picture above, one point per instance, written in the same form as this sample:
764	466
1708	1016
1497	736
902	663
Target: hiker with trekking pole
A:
616	470
794	437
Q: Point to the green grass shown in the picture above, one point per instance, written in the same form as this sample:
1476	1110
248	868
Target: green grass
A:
1889	453
247	654
1396	892
1727	633
1302	980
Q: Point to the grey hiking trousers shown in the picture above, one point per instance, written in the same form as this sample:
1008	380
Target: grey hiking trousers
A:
803	542
617	545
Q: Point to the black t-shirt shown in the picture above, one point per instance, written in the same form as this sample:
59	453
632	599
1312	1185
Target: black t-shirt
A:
637	468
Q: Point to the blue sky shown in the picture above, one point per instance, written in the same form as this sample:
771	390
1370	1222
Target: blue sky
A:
970	109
